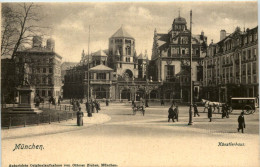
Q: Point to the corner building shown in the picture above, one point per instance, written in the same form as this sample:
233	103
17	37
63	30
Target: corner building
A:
171	61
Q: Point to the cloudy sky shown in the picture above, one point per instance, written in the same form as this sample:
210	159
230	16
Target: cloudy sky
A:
70	22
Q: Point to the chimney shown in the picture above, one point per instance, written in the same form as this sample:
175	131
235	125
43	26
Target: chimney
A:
222	34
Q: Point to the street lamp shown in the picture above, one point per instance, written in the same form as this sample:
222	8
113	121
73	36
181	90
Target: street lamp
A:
191	85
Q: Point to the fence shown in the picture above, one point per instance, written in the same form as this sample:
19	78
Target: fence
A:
9	120
62	113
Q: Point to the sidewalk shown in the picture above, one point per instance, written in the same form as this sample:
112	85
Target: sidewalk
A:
54	127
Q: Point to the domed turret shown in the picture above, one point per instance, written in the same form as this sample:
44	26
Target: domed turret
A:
179	24
50	44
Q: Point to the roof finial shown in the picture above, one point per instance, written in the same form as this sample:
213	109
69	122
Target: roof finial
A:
179	13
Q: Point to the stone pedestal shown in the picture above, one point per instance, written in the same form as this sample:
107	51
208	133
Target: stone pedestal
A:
26	101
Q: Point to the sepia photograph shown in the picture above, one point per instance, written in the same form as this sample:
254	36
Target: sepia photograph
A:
130	84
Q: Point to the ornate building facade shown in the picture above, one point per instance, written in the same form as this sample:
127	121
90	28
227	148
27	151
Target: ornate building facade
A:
231	66
43	66
116	74
171	61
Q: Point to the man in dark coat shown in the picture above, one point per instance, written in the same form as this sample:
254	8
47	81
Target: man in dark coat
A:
210	113
146	103
176	113
162	102
224	111
196	112
171	114
107	102
241	122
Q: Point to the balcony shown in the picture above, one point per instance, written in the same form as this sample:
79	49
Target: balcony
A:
100	81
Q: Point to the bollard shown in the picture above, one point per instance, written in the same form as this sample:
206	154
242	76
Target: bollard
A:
59	117
66	116
10	122
49	118
65	107
38	120
24	121
72	116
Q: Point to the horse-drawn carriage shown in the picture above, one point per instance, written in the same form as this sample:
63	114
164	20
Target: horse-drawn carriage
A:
138	106
247	104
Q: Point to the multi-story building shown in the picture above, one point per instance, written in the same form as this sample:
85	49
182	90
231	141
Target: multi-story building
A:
43	67
117	73
231	66
171	61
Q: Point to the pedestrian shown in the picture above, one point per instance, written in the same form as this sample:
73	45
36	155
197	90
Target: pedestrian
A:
59	101
92	106
210	114
107	102
97	106
171	114
173	102
241	122
227	110
176	113
196	112
224	111
162	102
146	103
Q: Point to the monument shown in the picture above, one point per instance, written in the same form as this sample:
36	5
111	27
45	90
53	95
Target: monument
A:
26	94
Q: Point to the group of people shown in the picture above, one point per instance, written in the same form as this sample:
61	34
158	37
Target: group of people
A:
92	106
173	113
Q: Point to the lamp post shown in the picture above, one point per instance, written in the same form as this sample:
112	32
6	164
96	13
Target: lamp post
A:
88	103
191	85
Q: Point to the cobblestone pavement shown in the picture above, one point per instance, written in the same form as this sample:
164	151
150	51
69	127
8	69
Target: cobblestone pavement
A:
150	140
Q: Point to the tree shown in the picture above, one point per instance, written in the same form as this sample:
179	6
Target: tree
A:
20	22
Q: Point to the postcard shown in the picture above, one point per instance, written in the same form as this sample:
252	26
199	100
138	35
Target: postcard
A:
115	84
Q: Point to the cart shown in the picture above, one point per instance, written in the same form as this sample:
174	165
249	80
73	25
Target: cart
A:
138	106
247	104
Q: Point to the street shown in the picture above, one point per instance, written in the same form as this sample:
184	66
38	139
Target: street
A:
150	140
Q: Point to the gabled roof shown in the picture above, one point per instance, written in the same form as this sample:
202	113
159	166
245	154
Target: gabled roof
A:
99	53
121	33
101	67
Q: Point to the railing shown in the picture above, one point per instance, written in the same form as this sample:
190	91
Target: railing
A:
9	120
101	81
63	112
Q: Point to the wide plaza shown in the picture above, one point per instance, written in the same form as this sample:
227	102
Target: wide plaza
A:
132	140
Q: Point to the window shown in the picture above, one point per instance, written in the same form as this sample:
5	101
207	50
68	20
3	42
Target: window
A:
50	70
245	40
38	70
254	68
170	71
120	65
43	92
44	70
183	51
101	75
49	93
244	56
248	54
49	80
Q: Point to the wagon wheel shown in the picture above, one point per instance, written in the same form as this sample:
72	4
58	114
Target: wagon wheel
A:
230	109
248	109
134	111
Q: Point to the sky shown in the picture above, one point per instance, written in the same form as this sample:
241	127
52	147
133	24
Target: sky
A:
70	22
